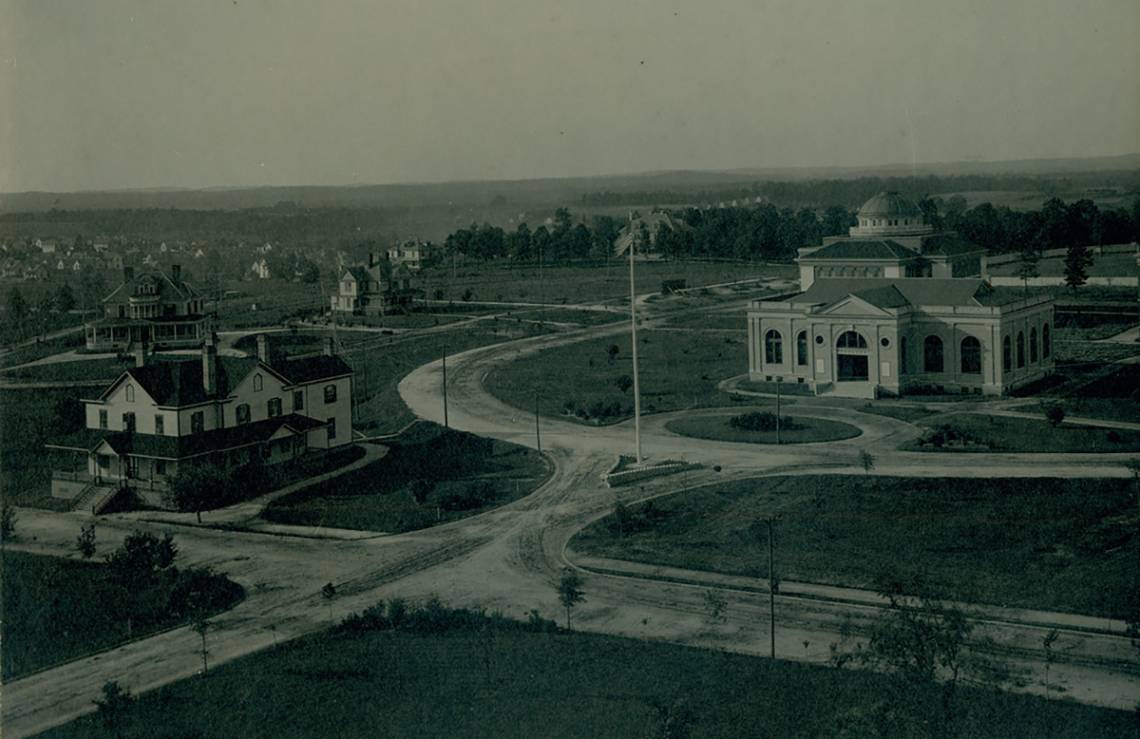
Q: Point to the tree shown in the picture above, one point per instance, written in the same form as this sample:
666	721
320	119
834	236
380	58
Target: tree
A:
328	592
64	298
1055	415
1047	644
200	627
866	461
7	522
612	352
570	592
1077	262
114	703
717	605
198	487
420	489
624	383
17	307
85	542
1027	265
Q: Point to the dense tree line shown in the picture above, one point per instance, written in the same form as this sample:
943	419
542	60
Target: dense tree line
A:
1057	225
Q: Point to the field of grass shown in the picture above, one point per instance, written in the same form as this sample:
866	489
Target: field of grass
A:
32	352
806	430
466	475
487	679
28	418
1000	433
719	320
678	370
56	610
786	388
1067	545
570	315
82	369
586	283
908	413
1104	265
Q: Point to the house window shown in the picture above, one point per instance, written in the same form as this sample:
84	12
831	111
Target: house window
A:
197	422
971	355
801	348
130	393
1045	348
851	340
160	467
257	383
241	413
1020	350
1006	354
159	425
330	393
1033	344
932	354
102	419
274	407
332	428
773	347
129	422
298	400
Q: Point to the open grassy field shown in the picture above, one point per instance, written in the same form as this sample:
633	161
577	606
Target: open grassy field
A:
28	418
804	430
486	680
1104	265
1067	545
999	433
34	351
55	610
81	369
462	475
678	370
585	283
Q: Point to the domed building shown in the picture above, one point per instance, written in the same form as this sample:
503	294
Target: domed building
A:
895	308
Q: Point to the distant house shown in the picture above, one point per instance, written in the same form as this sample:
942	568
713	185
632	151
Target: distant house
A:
46	246
414	255
100	246
150	308
376	288
160	417
260	269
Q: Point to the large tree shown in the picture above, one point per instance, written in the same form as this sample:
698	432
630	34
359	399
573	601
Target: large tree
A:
1077	263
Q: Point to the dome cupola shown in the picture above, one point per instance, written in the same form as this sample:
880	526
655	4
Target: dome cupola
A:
890	214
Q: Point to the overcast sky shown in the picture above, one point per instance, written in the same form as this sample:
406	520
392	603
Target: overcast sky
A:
194	93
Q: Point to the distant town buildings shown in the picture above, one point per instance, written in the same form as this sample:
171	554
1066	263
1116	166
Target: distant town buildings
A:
414	255
896	308
161	416
375	288
153	309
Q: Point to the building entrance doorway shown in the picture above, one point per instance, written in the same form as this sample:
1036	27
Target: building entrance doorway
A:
852	367
851	362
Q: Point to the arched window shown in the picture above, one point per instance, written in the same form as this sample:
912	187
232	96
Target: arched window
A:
257	382
1006	354
1020	350
851	340
1033	344
932	354
130	393
1045	347
801	348
773	347
241	414
971	354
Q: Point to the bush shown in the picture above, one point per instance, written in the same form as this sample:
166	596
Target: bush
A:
762	421
1055	415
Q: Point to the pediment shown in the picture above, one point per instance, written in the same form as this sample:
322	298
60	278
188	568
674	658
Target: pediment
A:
852	306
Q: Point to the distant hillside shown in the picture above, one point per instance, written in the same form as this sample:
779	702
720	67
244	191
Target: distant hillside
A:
524	194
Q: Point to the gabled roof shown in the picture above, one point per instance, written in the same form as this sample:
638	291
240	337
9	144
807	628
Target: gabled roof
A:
881	249
179	383
898	293
360	274
167	287
310	369
177	447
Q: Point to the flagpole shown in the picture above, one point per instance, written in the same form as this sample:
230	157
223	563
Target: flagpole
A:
633	332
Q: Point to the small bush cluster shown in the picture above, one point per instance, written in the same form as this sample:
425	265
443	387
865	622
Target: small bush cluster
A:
763	421
626	520
947	436
598	410
476	494
433	617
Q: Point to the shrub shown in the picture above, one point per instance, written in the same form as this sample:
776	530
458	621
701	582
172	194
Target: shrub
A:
1055	415
762	421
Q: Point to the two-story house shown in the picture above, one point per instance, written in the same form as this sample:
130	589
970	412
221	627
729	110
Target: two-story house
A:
376	288
151	308
415	255
160	416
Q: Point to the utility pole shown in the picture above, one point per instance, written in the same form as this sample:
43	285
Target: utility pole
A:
537	431
778	379
772	586
633	334
445	424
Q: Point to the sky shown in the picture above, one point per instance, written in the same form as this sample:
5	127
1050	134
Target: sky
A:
103	94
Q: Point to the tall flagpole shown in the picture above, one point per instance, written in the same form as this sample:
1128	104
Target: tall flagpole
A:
633	331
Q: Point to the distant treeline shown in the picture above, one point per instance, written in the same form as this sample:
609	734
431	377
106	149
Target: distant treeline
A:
854	192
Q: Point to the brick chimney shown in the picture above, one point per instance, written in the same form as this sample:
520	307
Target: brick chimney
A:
329	352
263	349
176	272
140	354
209	367
128	274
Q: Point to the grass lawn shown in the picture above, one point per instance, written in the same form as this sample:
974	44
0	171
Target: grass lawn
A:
717	428
473	682
678	370
82	369
720	320
786	388
569	315
466	475
55	610
1067	545
1116	396
999	433
28	418
908	413
381	363
34	351
584	283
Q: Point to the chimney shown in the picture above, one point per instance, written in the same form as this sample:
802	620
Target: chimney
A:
371	259
140	354
128	274
329	348
176	272
263	348
209	367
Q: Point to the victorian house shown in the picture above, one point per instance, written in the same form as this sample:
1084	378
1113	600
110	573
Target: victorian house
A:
151	308
376	288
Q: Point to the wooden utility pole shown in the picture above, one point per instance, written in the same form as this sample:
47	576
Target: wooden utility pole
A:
537	431
778	379
772	585
445	423
633	334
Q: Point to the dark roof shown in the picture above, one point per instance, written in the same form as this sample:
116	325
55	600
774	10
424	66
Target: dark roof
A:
309	369
177	447
897	293
863	249
948	244
889	203
168	287
360	274
179	383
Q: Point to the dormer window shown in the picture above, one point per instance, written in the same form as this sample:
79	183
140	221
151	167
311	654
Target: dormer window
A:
257	383
130	393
